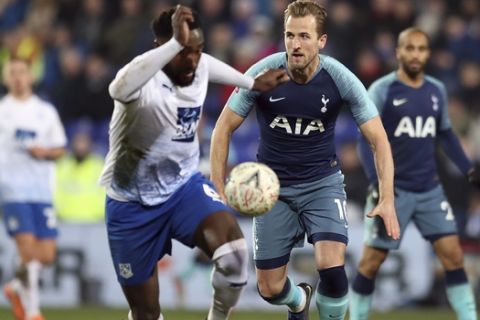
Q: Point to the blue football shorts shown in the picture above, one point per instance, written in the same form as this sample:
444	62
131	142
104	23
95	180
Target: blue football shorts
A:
430	211
38	219
316	209
141	235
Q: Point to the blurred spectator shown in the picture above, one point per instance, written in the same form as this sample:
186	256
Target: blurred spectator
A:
213	13
90	22
277	8
431	15
129	34
242	12
78	196
403	15
221	38
367	66
98	104
69	94
469	84
342	42
12	13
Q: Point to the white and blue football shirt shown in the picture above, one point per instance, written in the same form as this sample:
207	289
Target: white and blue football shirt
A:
23	124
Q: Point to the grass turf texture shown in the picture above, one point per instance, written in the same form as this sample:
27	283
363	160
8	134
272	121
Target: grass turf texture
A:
118	314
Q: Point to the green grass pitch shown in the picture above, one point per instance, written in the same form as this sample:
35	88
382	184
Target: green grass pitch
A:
89	313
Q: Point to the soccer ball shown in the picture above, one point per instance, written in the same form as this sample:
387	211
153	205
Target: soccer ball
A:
252	188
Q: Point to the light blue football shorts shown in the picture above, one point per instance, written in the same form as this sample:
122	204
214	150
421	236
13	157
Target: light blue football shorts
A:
430	211
316	209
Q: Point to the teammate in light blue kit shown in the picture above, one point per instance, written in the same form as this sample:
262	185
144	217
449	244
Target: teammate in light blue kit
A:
297	121
155	191
414	111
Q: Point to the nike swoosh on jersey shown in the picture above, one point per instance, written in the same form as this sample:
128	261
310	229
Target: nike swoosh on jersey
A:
272	99
399	102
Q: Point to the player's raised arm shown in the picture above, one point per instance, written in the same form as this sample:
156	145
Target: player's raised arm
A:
375	134
133	76
220	72
226	124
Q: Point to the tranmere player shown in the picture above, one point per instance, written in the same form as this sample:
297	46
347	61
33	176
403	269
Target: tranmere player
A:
155	191
297	121
32	137
413	108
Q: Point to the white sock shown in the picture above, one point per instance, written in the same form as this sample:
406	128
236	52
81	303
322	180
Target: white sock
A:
33	302
229	277
130	317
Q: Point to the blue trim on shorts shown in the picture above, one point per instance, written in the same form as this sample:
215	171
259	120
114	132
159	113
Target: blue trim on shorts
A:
434	237
330	236
272	263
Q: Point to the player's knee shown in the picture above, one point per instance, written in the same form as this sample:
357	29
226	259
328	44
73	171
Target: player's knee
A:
231	262
333	282
46	258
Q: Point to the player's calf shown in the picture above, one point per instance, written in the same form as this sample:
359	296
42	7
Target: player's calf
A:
229	277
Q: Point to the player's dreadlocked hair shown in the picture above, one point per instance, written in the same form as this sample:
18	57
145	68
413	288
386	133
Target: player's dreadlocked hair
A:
302	8
162	25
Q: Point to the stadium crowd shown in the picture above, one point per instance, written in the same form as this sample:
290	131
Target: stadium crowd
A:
76	47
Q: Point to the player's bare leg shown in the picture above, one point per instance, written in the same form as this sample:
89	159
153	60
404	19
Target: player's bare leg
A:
364	282
16	290
143	299
459	291
221	238
23	291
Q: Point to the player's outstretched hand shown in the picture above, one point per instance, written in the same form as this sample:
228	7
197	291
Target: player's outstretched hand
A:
180	19
270	79
386	210
474	177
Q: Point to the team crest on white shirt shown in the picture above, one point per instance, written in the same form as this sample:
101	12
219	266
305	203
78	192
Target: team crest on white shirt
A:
24	136
187	122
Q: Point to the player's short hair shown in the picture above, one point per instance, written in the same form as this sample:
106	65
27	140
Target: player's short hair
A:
411	30
162	25
302	8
